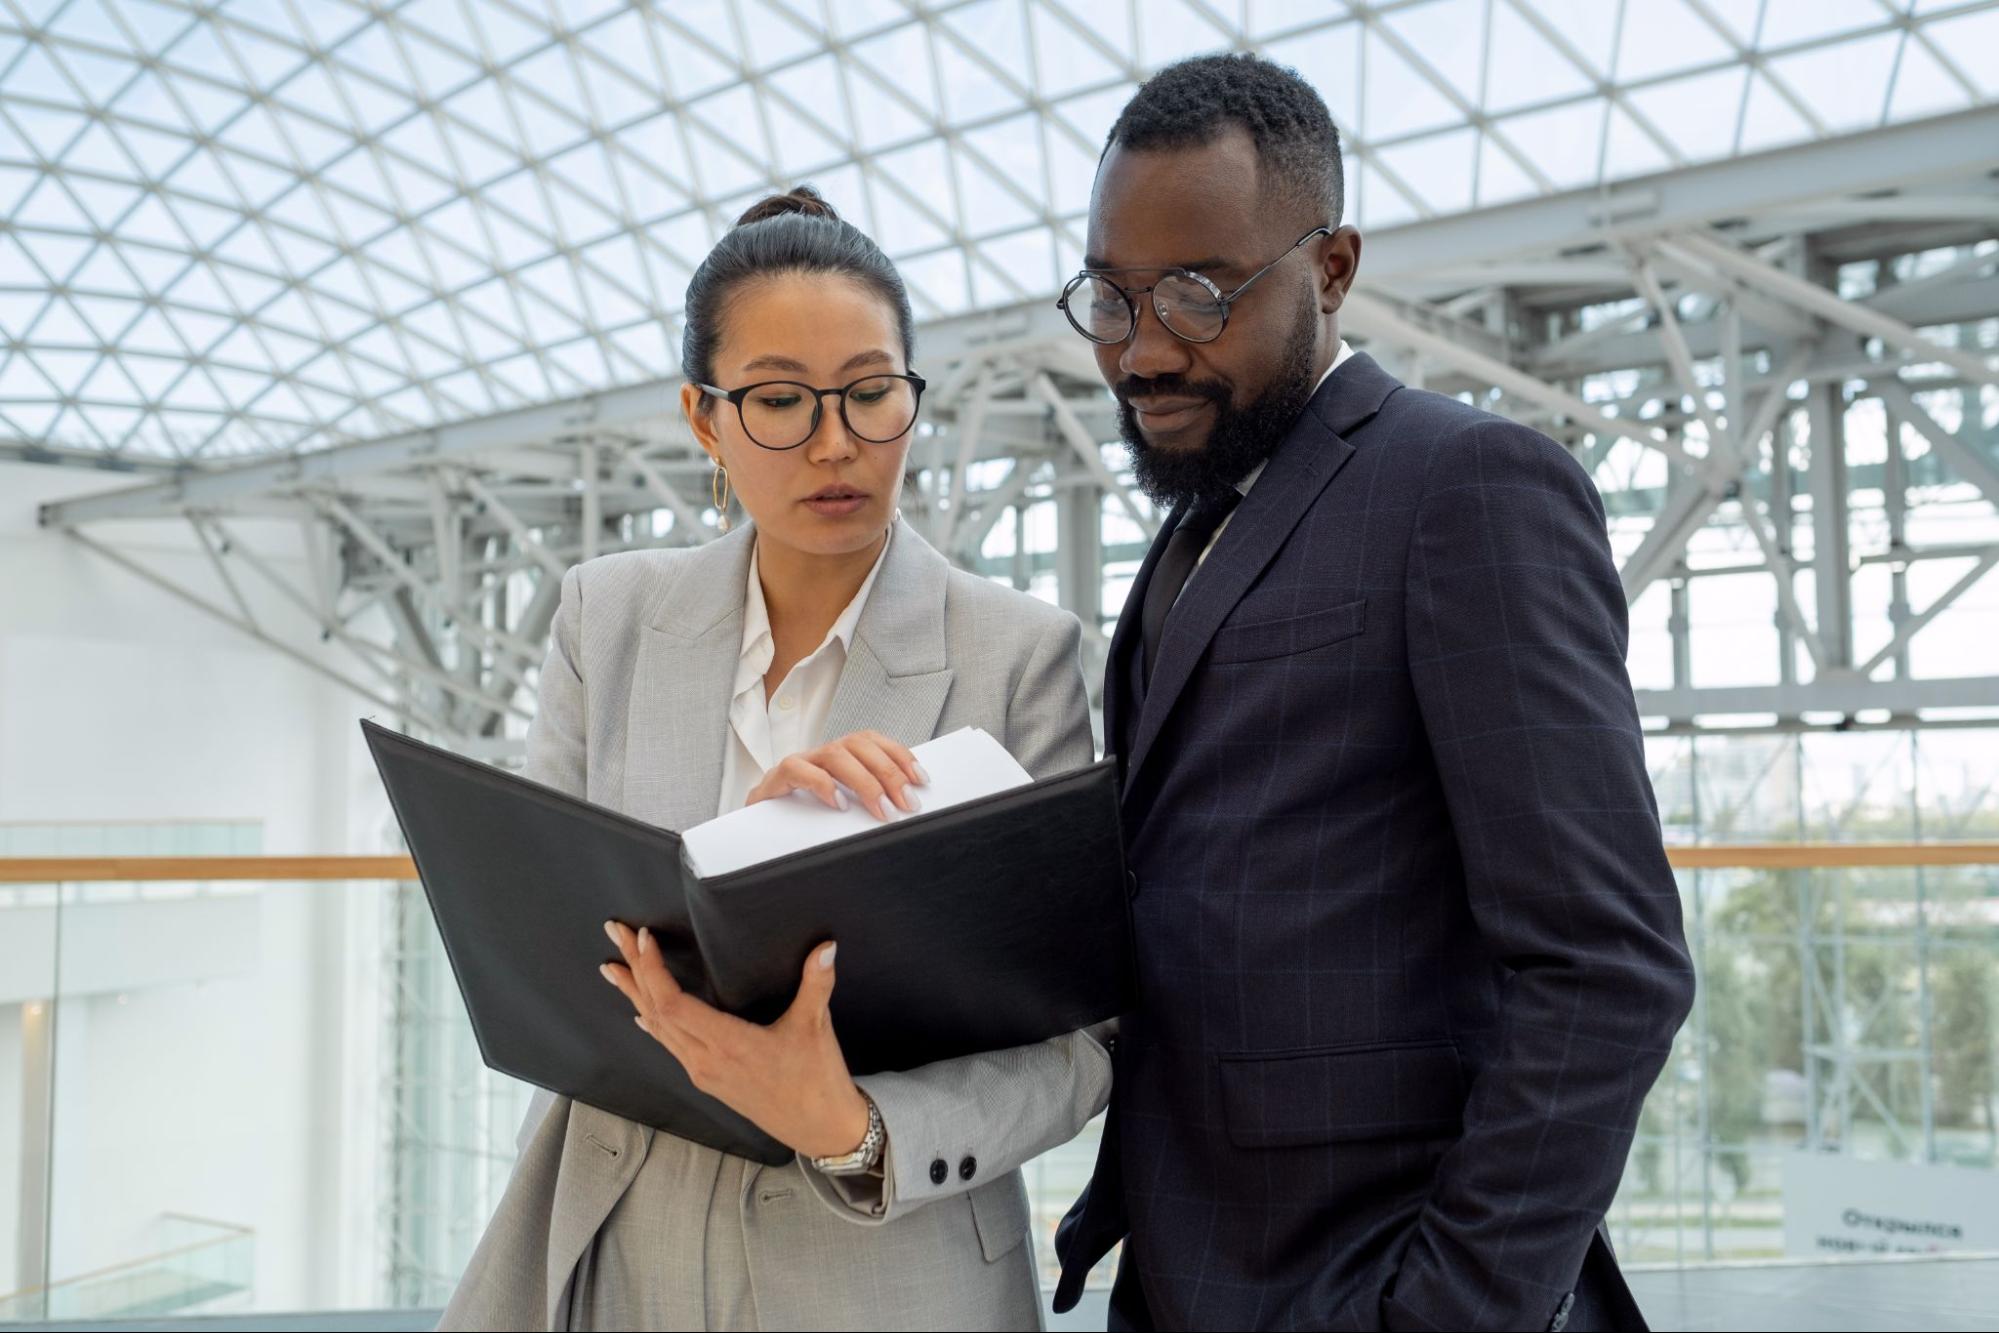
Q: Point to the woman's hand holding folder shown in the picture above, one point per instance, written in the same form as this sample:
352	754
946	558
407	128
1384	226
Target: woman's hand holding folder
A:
867	763
788	1079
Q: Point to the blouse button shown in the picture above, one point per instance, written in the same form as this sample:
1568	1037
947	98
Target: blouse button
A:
787	703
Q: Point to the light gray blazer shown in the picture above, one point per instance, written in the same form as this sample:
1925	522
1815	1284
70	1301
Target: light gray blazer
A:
634	715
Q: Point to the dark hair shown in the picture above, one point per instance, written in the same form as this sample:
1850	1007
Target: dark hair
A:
795	232
1193	102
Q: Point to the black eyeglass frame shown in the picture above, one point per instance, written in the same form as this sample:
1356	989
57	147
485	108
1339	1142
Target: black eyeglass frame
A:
736	396
1226	301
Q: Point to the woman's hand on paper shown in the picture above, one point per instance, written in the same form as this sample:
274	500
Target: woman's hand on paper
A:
867	763
789	1079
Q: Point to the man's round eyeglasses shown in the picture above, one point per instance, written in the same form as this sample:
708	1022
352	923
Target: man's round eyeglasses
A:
783	414
1191	307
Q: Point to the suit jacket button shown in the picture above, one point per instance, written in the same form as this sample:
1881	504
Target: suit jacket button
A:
939	1172
968	1168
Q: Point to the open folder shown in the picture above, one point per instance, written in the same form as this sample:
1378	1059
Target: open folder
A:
996	923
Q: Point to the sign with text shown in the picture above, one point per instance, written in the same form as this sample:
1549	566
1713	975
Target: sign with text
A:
1835	1205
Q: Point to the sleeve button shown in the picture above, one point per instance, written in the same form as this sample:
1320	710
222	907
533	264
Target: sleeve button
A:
968	1168
939	1172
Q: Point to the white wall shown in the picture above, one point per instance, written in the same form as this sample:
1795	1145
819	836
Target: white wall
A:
246	1098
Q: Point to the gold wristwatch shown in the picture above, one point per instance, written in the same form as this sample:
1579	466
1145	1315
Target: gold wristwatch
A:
862	1159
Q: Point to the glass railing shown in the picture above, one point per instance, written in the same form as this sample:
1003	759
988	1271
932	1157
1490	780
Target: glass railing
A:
244	1085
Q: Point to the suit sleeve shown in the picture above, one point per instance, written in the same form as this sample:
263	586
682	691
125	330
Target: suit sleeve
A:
1516	642
555	747
999	1109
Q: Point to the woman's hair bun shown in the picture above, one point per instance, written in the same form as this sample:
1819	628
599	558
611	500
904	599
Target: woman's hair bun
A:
802	199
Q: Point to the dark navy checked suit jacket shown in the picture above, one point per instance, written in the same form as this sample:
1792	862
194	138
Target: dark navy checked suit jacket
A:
1410	953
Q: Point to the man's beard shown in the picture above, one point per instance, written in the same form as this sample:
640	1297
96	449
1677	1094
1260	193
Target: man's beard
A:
1242	435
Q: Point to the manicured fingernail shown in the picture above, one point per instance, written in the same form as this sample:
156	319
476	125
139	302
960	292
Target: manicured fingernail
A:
826	955
638	1020
922	776
645	940
911	800
840	799
611	930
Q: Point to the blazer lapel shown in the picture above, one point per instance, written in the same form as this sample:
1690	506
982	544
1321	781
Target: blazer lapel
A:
1310	456
677	724
895	680
1118	697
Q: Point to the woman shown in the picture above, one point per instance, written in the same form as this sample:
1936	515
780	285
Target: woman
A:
684	683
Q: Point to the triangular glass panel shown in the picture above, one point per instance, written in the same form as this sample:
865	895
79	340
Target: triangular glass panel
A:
300	211
854	18
359	174
1092	114
311	90
464	393
248	290
1789	22
724	167
269	63
1527	68
441	68
1272	18
302	254
200	51
144	99
415	189
1500	175
152	333
64	369
505	33
1065	61
1449	36
50	131
1698	113
200	176
645	344
514	244
1374	200
289	312
102	77
156	270
1400	100
207	106
582	361
199	329
1438	167
109	316
332	20
1922	86
314	143
580	219
84	21
992	286
774	36
650	195
155	375
1629	151
102	272
1588	27
61	325
110	384
687	237
552	281
1027	257
1072	169
454	267
153	153
1329	59
254	132
104	201
491	303
623	44
550	74
375	108
1662	36
1974	32
801	145
938	280
1769	119
15	183
971	90
97	151
198	288
919	173
247	247
112	424
474	154
1012	149
692	70
51	207
356	222
58	256
1845	85
614	98
22	382
1169	30
610	305
35	74
898	60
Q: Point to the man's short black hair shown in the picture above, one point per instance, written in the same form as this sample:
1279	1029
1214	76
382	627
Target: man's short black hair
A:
1195	101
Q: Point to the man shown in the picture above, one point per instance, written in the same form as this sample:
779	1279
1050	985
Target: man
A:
1410	953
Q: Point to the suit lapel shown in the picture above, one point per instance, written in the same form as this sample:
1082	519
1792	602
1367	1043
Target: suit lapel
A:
895	680
601	1153
1119	669
677	724
1311	455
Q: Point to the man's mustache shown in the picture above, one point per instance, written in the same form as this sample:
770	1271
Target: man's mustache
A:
1132	389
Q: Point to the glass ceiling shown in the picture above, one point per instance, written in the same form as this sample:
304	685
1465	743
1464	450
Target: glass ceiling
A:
268	225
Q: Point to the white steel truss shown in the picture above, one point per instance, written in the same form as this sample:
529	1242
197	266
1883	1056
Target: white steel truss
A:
271	226
1762	379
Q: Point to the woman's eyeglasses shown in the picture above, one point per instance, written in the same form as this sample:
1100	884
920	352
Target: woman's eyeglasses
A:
783	414
1192	308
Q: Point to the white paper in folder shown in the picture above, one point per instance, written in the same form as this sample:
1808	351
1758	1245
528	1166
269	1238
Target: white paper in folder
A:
962	766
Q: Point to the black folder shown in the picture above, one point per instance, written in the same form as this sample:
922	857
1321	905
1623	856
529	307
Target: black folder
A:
996	923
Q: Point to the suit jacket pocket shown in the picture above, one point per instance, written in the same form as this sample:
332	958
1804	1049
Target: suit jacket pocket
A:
1343	1094
999	1211
1261	639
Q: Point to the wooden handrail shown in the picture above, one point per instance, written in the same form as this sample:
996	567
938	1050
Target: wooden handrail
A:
1732	856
